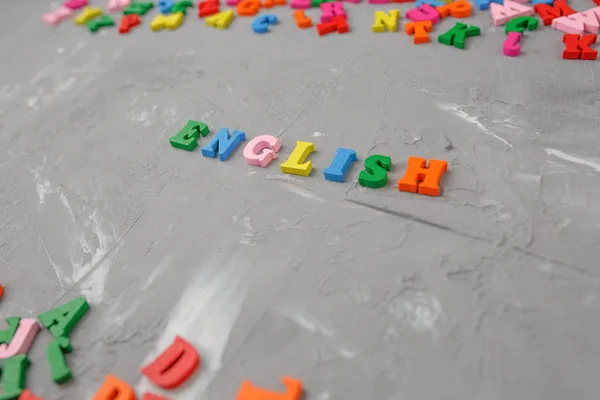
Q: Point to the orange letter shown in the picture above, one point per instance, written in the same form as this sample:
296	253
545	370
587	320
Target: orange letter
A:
457	9
174	365
251	392
114	389
429	178
419	29
248	8
302	20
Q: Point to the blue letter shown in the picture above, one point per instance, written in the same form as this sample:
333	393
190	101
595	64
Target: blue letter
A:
261	23
340	164
485	4
224	143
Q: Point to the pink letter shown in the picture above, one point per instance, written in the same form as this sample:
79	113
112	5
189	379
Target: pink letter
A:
75	4
424	13
502	13
261	150
330	10
55	17
300	4
511	47
117	5
232	3
22	340
586	21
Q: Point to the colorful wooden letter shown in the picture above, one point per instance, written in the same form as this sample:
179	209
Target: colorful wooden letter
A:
174	365
55	17
578	47
419	31
586	21
250	392
248	8
7	335
117	5
128	22
511	47
208	7
262	22
456	9
170	22
338	24
519	24
340	164
187	137
138	8
510	9
223	143
374	175
261	150
220	20
549	13
22	340
58	365
13	374
61	320
114	389
457	35
28	395
302	21
385	21
295	164
100	22
422	179
87	14
331	10
423	13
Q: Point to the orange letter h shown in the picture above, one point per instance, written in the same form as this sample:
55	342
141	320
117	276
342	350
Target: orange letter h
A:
419	178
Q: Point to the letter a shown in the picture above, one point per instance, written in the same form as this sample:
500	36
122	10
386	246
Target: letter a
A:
114	389
510	9
61	320
251	392
174	366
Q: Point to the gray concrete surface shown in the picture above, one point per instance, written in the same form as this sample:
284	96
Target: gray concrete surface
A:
488	292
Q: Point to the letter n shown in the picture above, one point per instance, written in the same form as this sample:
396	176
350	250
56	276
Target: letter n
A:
224	144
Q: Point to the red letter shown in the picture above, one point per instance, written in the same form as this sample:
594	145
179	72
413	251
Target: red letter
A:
28	395
548	13
251	392
209	7
427	179
152	396
579	47
338	24
114	389
174	365
128	22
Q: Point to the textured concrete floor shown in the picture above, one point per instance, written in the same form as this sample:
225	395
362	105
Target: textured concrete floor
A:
488	292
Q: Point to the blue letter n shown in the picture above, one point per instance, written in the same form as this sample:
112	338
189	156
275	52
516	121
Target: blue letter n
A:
223	143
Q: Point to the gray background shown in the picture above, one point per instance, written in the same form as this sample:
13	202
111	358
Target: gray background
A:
487	292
